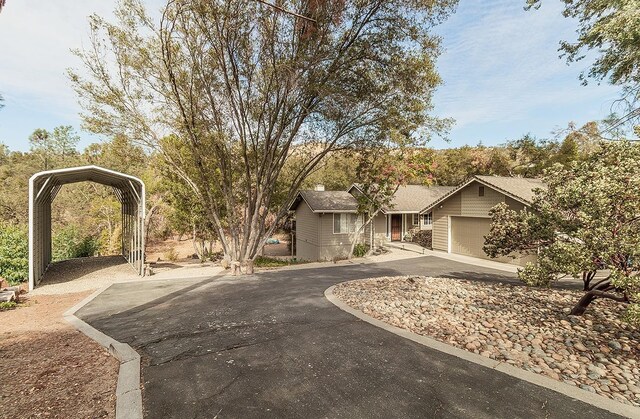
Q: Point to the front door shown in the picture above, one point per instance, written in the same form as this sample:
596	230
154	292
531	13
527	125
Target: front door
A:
396	227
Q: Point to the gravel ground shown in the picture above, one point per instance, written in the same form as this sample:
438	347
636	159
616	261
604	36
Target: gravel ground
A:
525	327
84	274
87	274
48	369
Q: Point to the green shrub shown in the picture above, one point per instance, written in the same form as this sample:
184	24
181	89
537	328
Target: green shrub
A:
68	243
88	246
14	253
8	305
423	238
360	250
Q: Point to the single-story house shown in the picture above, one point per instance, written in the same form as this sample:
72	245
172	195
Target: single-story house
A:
326	220
402	218
461	217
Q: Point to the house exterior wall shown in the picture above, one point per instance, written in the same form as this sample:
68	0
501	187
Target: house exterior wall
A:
331	245
450	206
306	233
380	229
468	203
513	204
473	205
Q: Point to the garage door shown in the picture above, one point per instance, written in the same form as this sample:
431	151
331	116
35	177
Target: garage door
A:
467	238
467	235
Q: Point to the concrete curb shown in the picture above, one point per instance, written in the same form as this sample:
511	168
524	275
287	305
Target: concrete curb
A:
128	392
596	400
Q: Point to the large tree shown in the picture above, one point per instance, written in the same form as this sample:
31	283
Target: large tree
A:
610	31
586	220
229	91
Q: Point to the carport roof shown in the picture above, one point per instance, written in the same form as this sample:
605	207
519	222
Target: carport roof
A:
85	173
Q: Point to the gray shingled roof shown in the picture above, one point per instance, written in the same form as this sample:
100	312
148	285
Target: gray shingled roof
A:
519	187
328	201
413	198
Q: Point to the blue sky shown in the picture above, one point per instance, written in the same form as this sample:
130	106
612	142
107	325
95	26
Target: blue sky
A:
501	70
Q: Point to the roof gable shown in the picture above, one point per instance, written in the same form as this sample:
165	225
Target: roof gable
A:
326	201
520	189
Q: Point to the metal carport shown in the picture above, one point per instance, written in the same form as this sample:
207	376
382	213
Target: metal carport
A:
44	186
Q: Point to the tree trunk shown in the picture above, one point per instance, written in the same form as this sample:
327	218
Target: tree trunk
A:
601	289
583	303
249	267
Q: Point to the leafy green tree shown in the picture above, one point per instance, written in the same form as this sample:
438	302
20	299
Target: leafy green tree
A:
380	174
55	149
587	219
14	253
238	85
611	30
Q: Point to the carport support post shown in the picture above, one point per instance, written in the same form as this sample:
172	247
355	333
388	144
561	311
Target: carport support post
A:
31	232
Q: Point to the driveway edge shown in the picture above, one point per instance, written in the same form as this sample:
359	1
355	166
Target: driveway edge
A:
128	392
557	386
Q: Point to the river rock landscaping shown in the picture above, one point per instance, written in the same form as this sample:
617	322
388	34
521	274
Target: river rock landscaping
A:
526	327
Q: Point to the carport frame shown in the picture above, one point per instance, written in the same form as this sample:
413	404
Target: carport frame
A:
43	188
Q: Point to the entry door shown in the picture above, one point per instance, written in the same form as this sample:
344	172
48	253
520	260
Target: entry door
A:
396	227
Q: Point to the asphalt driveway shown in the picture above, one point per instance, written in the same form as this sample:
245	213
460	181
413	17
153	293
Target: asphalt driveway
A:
271	345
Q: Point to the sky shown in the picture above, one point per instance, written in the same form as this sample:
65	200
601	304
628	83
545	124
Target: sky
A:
500	66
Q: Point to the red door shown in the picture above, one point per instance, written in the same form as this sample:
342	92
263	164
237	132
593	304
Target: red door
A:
396	227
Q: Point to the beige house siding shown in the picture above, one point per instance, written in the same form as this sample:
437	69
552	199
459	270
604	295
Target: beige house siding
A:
513	204
468	203
306	233
474	205
331	245
380	229
450	206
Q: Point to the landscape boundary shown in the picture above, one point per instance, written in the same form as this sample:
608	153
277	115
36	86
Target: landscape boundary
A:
596	400
128	392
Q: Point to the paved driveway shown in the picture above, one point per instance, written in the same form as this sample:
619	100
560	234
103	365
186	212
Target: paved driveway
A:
271	345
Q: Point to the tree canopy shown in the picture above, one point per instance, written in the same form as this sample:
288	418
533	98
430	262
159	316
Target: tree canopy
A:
586	220
229	91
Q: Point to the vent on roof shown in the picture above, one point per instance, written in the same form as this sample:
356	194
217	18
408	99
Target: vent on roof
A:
319	187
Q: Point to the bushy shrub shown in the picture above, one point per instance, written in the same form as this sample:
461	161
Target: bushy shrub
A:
360	250
14	253
68	243
423	238
171	255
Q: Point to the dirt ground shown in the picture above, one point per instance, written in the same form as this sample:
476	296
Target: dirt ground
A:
159	250
49	369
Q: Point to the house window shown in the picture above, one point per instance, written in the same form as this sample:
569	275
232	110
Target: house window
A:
416	219
427	219
346	223
481	191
